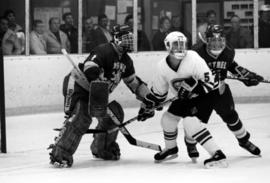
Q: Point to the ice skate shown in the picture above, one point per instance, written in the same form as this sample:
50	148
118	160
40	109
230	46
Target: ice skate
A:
192	152
250	147
166	154
218	160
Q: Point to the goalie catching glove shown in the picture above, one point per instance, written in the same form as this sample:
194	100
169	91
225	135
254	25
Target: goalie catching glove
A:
249	78
150	101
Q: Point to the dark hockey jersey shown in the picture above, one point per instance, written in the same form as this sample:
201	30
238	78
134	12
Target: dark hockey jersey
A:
113	67
219	65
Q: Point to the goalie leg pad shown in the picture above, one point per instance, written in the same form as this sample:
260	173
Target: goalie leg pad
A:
66	143
98	98
104	145
70	96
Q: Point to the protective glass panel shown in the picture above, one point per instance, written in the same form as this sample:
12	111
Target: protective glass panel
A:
160	17
53	26
264	24
12	27
99	17
235	16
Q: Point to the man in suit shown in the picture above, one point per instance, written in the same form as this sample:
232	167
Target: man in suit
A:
37	41
71	31
102	34
55	38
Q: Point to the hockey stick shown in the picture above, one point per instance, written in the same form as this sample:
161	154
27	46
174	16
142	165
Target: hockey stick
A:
88	130
77	74
126	133
133	119
245	79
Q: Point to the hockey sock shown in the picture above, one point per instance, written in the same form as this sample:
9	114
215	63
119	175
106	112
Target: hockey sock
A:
206	140
189	140
170	139
238	129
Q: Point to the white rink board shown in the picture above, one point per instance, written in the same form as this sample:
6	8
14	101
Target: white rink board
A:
36	81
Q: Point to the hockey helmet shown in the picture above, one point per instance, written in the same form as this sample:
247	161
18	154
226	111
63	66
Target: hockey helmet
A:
176	44
215	38
123	37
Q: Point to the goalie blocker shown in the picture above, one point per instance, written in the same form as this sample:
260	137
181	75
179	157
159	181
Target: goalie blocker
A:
98	98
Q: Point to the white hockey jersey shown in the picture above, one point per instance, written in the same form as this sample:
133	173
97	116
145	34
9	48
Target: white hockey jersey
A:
191	66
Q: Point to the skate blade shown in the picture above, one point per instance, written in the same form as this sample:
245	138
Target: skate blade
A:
217	164
173	156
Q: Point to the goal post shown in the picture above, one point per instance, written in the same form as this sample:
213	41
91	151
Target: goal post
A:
3	145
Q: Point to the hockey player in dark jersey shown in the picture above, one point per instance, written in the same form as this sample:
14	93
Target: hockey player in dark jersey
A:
220	58
107	63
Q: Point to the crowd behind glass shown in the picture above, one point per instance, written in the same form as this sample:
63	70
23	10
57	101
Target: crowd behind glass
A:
65	35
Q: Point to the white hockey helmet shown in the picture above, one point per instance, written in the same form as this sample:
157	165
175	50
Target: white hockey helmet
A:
176	43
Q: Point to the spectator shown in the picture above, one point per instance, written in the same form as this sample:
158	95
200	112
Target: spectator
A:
88	35
11	17
237	36
55	38
143	42
9	40
102	34
37	40
71	31
264	26
177	26
158	39
211	18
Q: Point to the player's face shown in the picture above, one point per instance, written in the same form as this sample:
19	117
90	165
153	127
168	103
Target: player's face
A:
127	42
216	44
178	49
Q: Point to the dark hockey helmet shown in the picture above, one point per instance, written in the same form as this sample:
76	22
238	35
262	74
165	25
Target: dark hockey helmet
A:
215	38
123	37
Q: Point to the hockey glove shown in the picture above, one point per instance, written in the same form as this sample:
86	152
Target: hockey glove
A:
186	88
250	78
149	102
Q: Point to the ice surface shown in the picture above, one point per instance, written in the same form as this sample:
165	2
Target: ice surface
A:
27	159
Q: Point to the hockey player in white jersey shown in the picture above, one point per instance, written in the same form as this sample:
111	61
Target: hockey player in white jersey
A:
187	75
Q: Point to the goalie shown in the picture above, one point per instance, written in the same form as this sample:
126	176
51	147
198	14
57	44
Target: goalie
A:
104	68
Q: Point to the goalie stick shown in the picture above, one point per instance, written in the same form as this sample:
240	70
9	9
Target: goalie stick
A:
126	133
77	74
243	79
134	118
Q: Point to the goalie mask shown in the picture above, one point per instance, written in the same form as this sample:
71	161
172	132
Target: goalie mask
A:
176	44
123	37
215	38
